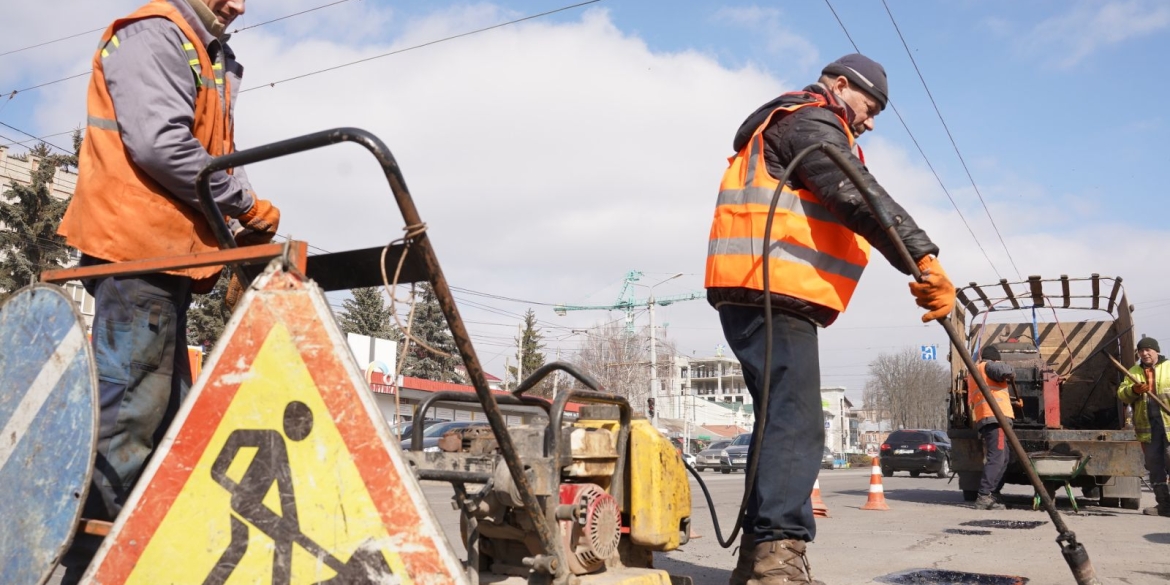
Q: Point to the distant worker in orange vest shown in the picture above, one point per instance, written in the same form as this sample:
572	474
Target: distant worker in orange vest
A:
160	106
995	454
819	246
1150	423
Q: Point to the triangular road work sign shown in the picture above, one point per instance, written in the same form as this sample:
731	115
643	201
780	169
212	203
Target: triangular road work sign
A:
278	469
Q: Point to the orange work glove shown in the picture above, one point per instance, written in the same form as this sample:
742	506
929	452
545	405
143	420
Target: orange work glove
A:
935	293
1140	388
235	291
259	224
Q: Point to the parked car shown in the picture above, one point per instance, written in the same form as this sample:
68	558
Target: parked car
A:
828	460
916	451
709	458
403	428
689	459
735	455
433	433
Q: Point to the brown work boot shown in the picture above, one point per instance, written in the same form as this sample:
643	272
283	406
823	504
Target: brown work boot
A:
780	561
743	566
1162	496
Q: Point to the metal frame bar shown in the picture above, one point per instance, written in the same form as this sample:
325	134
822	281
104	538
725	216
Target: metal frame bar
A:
298	253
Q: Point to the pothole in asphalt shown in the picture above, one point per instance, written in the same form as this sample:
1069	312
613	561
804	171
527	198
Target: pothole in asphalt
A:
942	577
967	532
1012	524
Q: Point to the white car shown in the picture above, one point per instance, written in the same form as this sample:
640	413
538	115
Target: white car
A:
689	459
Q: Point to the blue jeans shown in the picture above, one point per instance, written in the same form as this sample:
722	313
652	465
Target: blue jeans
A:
140	345
996	458
779	507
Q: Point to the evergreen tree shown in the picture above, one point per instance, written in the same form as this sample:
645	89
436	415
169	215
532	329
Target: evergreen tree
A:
531	356
368	314
208	315
29	244
430	326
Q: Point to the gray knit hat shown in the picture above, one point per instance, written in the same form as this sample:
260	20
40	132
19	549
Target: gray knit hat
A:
864	73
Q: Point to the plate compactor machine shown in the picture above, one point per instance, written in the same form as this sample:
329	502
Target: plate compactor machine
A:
555	501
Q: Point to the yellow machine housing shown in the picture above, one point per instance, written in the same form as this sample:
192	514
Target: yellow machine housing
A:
657	493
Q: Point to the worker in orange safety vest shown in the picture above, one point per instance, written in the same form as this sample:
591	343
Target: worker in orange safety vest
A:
160	107
818	248
998	376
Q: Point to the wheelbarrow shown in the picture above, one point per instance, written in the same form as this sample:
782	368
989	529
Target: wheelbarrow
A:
1058	469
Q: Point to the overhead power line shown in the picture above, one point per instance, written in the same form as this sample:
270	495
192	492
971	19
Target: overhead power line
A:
952	138
14	92
426	44
66	151
73	36
923	153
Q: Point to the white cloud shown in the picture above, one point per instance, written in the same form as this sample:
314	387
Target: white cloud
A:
1089	27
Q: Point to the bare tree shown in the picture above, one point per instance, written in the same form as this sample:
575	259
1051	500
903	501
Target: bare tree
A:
619	361
911	390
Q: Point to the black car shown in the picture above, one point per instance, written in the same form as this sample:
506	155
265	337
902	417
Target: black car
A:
916	451
735	455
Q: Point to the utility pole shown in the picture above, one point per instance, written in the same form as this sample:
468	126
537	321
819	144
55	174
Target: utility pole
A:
519	355
556	375
653	363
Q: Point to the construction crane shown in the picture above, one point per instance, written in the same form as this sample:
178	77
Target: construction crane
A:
626	301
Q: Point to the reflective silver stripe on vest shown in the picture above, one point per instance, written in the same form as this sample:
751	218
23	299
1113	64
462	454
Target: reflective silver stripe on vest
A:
103	123
757	146
785	251
788	200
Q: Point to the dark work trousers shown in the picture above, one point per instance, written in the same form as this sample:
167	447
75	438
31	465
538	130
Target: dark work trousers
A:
140	345
779	507
1156	450
996	458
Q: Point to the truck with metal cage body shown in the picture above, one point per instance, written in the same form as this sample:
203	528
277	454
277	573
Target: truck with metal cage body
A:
1055	333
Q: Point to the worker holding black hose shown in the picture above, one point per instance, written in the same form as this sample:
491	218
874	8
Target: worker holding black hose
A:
1150	422
818	248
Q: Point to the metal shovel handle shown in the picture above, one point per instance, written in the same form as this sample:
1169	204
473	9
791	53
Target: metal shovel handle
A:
1074	552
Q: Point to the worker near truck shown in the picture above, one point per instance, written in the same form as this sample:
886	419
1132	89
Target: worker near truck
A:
998	376
160	106
1150	423
820	244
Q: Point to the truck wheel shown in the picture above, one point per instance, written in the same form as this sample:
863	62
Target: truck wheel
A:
970	495
1130	503
887	472
915	473
725	470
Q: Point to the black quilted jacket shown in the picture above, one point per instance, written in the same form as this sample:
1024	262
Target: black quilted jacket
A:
784	137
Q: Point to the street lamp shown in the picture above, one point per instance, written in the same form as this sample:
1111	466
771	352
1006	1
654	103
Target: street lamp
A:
654	348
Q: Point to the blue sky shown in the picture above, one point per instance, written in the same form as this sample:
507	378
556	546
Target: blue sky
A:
552	156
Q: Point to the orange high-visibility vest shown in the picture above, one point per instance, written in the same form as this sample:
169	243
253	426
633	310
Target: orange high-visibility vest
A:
980	409
812	257
118	212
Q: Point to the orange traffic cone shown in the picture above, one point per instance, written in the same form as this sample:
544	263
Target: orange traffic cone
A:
820	510
877	496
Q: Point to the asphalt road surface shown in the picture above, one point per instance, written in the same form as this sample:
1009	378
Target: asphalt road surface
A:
925	529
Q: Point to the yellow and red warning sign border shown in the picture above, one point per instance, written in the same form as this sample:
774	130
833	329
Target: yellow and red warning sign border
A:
286	299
